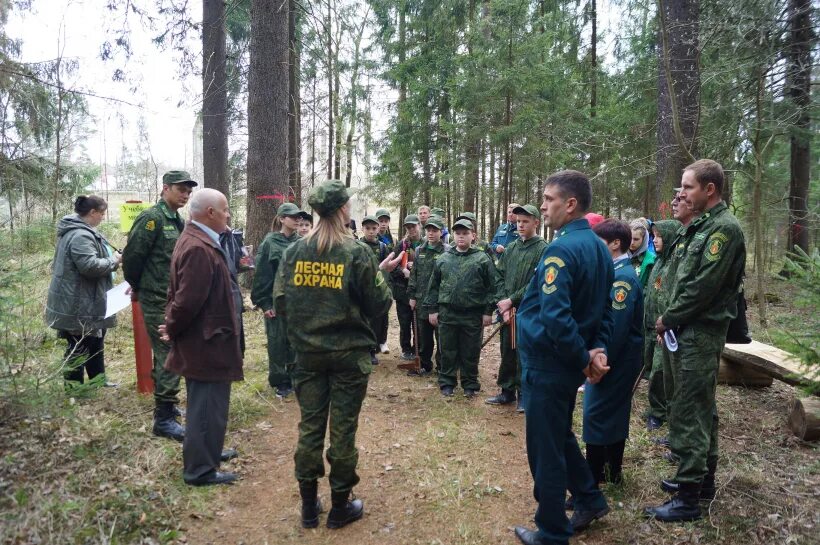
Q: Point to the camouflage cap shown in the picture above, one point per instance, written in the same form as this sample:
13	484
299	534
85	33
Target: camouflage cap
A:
178	177
328	197
528	209
434	221
288	209
370	219
411	219
466	215
437	212
467	224
382	212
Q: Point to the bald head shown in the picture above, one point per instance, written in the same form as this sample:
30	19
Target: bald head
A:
210	207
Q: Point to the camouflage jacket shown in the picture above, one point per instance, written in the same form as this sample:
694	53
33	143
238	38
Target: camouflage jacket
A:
517	267
426	257
331	297
706	272
464	281
655	296
267	262
146	259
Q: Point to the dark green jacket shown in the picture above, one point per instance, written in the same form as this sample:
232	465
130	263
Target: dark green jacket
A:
267	262
380	249
398	282
706	271
465	281
426	257
146	259
655	296
330	298
517	267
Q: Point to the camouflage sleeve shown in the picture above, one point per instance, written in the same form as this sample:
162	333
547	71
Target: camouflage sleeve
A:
431	301
263	278
374	293
141	240
705	277
494	286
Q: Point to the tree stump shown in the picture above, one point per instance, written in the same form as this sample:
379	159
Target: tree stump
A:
735	374
805	418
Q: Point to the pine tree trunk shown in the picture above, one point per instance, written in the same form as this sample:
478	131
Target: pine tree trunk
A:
330	70
267	115
214	97
295	103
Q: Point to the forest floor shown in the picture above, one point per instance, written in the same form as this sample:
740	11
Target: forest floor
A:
434	471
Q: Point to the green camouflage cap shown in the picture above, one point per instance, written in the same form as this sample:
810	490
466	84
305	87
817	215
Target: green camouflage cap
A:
411	219
437	212
178	177
370	219
288	209
466	215
529	210
328	197
434	221
382	212
463	223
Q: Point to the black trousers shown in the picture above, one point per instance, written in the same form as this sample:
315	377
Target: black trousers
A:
205	424
428	337
405	316
84	354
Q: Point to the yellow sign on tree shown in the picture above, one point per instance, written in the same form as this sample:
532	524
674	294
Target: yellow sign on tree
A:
129	212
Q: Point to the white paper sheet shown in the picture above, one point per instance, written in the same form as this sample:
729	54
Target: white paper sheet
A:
116	299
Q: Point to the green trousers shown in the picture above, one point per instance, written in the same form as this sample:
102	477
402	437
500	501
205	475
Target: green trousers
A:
280	353
166	383
428	339
653	359
509	372
460	335
693	418
330	386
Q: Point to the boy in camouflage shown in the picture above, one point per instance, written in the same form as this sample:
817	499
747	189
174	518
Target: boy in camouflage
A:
370	228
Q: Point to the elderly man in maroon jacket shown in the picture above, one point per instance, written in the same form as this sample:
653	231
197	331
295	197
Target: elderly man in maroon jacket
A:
202	326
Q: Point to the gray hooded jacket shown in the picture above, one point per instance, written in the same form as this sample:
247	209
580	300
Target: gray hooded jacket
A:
81	274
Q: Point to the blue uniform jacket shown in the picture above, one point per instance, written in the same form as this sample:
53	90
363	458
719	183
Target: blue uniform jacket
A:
507	233
607	404
566	309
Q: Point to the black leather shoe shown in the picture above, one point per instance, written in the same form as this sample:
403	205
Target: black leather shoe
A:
344	511
283	391
529	537
707	490
228	454
653	423
582	519
421	373
470	393
217	477
504	398
178	413
447	391
682	507
165	423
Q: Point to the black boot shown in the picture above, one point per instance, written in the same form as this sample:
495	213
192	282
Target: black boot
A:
344	511
682	507
596	460
311	506
504	398
707	490
615	461
165	423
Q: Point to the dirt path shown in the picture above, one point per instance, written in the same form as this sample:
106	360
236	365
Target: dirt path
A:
438	471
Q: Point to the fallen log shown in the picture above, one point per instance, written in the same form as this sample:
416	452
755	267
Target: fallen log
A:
736	374
770	361
804	419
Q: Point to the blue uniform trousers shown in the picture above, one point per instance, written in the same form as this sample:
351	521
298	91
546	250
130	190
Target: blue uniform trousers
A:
555	459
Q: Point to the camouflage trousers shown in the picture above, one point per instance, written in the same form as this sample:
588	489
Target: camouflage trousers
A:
330	386
509	371
653	361
428	338
693	418
166	383
460	334
280	352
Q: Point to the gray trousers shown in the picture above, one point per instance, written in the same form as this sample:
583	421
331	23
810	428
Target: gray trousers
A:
205	425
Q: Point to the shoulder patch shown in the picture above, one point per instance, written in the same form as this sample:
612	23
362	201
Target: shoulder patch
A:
150	225
714	246
556	260
549	279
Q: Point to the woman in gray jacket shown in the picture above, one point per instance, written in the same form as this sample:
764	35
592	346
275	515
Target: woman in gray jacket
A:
81	276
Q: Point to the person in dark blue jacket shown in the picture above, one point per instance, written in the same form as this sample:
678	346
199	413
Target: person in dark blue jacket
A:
506	234
608	403
564	322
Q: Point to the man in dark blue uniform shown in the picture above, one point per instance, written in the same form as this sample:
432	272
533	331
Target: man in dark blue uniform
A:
564	323
506	234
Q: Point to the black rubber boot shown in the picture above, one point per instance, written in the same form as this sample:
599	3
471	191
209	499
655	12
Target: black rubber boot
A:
596	460
311	506
344	511
682	507
165	423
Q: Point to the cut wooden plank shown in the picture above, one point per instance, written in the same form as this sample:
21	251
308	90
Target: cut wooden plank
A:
769	360
805	418
737	374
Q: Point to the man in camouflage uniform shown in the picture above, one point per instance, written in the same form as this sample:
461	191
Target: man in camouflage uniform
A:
705	270
460	300
399	279
146	264
426	256
516	269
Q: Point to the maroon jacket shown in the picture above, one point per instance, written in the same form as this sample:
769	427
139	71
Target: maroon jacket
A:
200	316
